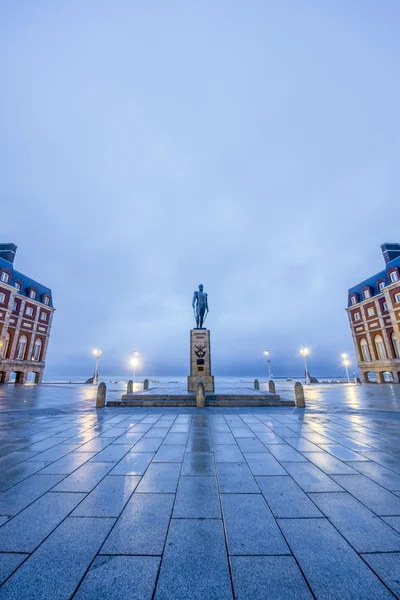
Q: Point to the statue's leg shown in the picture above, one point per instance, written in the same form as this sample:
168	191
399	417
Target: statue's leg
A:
202	310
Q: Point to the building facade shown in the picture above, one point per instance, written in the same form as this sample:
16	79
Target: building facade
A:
374	316
26	313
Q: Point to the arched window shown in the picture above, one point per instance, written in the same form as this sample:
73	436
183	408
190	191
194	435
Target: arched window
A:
6	343
366	356
396	345
36	349
21	347
380	347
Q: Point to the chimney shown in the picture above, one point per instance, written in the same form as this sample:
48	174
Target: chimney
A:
390	251
7	251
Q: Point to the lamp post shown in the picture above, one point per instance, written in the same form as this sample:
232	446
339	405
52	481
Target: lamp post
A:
97	354
134	363
346	363
304	352
266	353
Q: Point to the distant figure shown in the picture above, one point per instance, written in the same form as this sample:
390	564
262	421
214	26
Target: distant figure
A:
200	306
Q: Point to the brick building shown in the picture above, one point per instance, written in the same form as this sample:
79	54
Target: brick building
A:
374	315
26	312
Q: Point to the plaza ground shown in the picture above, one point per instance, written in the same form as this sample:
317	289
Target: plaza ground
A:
210	503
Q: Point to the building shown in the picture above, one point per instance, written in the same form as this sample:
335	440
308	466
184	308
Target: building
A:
26	312
374	315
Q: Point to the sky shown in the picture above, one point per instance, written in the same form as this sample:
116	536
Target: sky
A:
147	147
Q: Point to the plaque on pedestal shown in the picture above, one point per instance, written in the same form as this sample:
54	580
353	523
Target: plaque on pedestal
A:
200	360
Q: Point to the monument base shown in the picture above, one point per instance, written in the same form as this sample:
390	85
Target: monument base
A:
206	380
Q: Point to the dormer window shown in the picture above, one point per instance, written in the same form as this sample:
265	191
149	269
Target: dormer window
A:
367	294
46	300
393	276
381	285
32	294
18	286
5	277
353	300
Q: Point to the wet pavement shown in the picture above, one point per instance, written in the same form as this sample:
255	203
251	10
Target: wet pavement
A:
212	503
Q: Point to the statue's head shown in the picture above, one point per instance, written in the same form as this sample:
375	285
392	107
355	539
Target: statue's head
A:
201	287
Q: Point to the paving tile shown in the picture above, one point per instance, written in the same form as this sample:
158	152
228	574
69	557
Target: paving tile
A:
382	458
133	463
228	453
236	478
85	478
120	578
387	567
43	445
142	526
176	438
54	454
329	464
251	445
3	520
342	453
170	453
250	527
112	453
30	527
380	474
285	453
68	464
15	458
393	522
286	499
161	478
108	498
332	568
194	548
199	464
261	577
127	438
8	564
362	529
149	445
197	498
242	432
268	438
199	444
376	498
18	497
303	445
310	478
223	438
18	473
55	569
95	445
263	464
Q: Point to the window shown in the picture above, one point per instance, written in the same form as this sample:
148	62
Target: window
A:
18	286
381	286
365	350
32	294
371	312
36	349
29	311
393	276
47	300
396	345
367	294
43	316
6	343
14	306
384	306
2	298
5	278
380	347
397	298
21	347
353	300
357	316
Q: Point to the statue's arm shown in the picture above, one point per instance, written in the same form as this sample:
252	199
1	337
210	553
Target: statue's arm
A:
194	299
207	302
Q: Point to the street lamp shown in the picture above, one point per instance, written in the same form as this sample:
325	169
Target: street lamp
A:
134	363
304	352
97	354
266	353
346	363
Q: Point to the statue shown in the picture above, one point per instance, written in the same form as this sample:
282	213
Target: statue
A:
200	306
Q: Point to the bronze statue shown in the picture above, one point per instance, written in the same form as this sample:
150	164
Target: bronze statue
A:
200	307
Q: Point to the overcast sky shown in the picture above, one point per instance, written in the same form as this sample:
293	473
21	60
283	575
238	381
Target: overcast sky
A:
147	147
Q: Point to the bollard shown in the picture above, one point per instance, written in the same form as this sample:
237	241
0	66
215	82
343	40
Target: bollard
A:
256	384
299	391
146	384
101	395
271	387
200	398
129	389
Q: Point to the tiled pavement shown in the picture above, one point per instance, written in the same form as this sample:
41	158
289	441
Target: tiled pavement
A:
213	504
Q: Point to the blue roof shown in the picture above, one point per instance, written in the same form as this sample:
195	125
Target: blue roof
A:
27	282
372	281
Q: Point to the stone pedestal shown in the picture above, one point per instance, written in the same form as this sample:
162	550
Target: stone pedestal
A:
200	361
